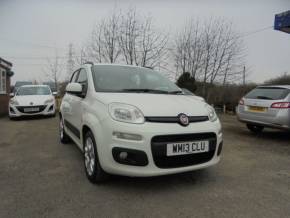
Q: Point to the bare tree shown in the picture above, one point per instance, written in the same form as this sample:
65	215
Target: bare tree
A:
211	52
189	49
141	44
128	36
151	46
103	46
54	70
70	65
83	55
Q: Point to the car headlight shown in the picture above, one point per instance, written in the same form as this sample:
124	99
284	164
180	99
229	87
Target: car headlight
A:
14	102
126	113
211	113
48	101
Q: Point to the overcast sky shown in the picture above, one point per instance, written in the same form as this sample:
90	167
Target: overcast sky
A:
30	29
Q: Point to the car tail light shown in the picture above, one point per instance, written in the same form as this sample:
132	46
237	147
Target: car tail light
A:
281	105
241	102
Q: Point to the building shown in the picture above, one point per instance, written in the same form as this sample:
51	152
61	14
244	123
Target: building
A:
5	75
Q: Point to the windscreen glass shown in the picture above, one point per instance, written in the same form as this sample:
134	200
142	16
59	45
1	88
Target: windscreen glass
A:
33	91
268	93
130	79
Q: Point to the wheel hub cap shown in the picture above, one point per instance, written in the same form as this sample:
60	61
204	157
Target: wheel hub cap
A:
89	156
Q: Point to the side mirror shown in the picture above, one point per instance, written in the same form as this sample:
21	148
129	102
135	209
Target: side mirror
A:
74	88
12	94
54	93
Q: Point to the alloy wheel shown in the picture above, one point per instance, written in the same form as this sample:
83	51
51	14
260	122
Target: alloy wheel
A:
89	156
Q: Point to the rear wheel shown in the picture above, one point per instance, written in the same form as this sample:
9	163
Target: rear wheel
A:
64	138
255	129
94	171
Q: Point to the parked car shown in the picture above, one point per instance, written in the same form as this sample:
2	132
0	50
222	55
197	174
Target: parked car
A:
18	84
266	106
32	100
132	121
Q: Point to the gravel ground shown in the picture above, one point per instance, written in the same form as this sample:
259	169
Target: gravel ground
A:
39	177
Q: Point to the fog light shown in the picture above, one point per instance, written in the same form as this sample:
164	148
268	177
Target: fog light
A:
129	156
127	136
123	155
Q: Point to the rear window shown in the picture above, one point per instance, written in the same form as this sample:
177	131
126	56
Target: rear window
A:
268	93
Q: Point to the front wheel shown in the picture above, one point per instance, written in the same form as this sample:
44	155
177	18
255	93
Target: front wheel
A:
93	168
255	129
64	138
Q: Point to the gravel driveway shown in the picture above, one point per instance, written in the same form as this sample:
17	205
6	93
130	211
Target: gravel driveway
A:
39	177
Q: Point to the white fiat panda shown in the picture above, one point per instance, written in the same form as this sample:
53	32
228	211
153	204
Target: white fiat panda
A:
133	121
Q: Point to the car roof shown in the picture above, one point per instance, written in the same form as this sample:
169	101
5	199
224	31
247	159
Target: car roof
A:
120	65
275	86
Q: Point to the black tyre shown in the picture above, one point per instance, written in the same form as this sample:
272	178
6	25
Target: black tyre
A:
64	138
93	169
255	129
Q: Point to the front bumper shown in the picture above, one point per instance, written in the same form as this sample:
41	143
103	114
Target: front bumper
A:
107	142
46	110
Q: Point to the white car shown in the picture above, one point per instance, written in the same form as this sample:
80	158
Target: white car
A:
30	100
132	121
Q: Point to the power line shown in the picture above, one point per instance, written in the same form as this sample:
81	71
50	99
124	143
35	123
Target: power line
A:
30	43
81	56
255	31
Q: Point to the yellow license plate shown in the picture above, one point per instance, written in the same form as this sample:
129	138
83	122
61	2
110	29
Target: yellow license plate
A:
257	109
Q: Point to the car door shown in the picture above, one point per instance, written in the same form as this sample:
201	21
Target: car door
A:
67	107
77	105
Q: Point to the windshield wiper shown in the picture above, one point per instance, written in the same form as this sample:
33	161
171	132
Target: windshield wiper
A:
175	92
264	97
145	91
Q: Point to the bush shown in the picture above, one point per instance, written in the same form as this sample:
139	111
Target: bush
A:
186	81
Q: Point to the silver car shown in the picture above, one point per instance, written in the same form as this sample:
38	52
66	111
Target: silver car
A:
266	106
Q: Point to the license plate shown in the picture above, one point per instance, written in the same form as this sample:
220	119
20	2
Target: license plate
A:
181	148
31	109
257	109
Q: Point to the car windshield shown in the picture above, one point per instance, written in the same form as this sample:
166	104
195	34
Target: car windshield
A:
268	93
34	91
131	79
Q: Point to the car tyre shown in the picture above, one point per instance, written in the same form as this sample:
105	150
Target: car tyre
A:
255	129
93	168
64	138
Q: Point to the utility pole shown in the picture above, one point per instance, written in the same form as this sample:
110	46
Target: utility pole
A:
70	61
244	76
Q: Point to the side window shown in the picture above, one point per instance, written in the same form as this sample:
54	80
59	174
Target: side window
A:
83	80
74	76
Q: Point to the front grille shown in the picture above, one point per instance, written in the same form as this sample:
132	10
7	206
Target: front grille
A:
191	119
159	147
21	109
